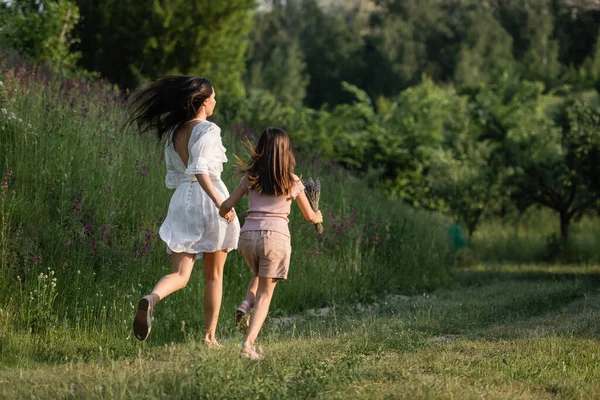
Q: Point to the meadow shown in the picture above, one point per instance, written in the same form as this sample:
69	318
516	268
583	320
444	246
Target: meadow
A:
510	332
82	199
374	308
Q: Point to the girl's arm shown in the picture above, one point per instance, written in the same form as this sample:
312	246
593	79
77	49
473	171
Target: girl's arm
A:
311	216
233	199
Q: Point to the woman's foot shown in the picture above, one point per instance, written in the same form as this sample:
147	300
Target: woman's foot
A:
142	324
250	352
240	320
214	344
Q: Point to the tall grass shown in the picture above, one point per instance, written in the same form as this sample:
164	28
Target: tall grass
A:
82	208
535	238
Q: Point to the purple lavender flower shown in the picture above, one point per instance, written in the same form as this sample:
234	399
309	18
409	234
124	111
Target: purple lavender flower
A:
312	188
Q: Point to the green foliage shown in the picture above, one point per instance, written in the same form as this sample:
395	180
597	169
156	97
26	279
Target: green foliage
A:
275	58
485	51
545	161
531	24
128	41
463	175
416	125
42	30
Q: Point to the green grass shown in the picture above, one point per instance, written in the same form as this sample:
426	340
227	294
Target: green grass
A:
533	239
82	209
501	333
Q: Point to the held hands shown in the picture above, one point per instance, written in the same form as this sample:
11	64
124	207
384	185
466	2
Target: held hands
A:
229	215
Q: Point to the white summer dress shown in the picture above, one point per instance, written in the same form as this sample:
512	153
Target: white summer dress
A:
193	224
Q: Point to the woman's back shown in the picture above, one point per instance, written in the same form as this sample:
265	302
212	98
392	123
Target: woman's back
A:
197	151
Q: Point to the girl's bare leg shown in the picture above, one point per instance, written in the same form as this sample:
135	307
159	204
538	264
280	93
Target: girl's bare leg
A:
264	294
213	276
240	320
251	292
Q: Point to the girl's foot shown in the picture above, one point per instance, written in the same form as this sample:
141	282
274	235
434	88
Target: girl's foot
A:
250	352
240	321
142	324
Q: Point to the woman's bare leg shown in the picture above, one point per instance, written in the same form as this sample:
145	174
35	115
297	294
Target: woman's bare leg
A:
213	276
182	265
264	294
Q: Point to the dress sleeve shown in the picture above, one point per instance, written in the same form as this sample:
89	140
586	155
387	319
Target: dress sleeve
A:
297	188
201	147
172	179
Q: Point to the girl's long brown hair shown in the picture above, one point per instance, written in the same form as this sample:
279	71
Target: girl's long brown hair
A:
167	104
270	169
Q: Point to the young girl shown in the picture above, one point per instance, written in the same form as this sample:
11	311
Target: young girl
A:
176	107
271	185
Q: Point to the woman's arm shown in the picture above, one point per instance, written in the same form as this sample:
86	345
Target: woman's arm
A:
207	185
233	199
311	216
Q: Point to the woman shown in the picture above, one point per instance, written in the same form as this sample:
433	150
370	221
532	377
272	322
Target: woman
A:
177	108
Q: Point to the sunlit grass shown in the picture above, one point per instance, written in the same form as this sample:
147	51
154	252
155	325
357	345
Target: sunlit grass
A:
502	335
533	239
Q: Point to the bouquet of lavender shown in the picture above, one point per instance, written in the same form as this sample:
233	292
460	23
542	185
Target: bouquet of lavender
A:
312	188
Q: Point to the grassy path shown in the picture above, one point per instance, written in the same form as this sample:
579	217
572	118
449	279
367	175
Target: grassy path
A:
501	334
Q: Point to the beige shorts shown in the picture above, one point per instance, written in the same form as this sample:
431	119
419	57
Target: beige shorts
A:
267	253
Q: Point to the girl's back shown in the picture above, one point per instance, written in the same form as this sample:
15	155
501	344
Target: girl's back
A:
269	212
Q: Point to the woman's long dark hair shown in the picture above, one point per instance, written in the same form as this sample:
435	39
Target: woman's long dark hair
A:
168	103
270	169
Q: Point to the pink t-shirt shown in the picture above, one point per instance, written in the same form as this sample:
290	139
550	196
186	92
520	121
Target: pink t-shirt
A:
270	213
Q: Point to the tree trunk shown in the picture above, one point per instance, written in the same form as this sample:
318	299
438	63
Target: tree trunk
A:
63	33
565	221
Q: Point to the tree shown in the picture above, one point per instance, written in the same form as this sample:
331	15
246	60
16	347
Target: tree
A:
415	124
531	25
462	173
485	51
128	41
41	30
333	46
550	162
408	39
275	58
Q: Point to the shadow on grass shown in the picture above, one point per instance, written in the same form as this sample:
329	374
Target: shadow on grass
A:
505	303
486	277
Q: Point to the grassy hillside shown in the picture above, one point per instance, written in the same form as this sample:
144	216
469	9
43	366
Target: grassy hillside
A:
82	201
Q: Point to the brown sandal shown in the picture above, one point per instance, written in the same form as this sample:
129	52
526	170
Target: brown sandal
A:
142	324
